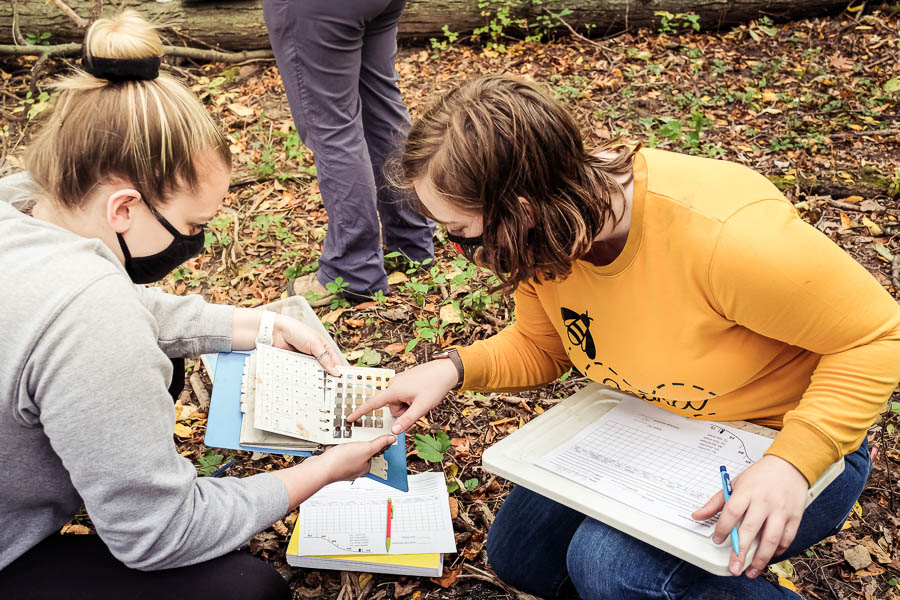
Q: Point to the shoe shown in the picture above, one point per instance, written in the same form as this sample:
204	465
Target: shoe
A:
309	287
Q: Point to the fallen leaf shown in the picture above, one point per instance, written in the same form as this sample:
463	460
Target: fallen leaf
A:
786	583
241	110
454	507
845	222
782	569
353	354
74	529
450	314
333	315
355	322
858	557
397	277
393	349
872	226
183	431
853	199
364	579
396	314
882	250
448	578
769	96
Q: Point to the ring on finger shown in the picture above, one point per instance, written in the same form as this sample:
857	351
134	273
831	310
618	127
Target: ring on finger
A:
322	354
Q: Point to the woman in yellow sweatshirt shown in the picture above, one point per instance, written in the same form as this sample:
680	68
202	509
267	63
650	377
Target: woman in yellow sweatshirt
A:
691	283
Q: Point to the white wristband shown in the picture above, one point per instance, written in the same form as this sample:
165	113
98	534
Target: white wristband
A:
266	328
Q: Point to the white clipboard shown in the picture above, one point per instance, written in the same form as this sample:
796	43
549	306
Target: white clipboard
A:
514	457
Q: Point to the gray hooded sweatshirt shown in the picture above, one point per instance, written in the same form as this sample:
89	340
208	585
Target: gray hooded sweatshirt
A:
85	415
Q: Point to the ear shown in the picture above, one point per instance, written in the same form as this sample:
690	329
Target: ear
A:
120	209
529	211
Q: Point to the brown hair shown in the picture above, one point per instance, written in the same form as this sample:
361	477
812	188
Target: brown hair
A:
147	132
496	138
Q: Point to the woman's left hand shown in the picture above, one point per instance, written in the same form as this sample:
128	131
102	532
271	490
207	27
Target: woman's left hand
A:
291	334
770	497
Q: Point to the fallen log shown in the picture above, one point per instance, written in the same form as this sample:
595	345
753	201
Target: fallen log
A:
237	25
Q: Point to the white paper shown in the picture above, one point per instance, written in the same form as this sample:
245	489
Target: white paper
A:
658	462
351	518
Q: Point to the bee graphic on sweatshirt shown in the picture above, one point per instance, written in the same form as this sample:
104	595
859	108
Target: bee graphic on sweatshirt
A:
578	329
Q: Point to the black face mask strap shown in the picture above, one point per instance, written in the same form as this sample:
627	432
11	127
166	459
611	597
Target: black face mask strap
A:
165	222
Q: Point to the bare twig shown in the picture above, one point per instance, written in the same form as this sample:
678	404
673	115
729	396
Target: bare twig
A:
842	205
844	134
71	13
18	38
481	575
199	391
603	49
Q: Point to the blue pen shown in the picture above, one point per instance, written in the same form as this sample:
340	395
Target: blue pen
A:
726	490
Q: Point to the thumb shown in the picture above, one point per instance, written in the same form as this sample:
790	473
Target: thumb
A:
712	507
412	414
380	444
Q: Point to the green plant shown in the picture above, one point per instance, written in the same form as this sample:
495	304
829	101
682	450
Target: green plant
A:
298	269
217	231
441	45
677	22
500	19
35	106
273	224
431	448
38	39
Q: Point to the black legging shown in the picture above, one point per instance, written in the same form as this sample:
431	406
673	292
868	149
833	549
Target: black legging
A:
80	567
177	385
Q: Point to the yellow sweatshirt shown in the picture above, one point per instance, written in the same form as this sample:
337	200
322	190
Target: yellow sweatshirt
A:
724	305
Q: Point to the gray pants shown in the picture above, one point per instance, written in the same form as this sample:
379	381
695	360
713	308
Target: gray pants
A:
336	58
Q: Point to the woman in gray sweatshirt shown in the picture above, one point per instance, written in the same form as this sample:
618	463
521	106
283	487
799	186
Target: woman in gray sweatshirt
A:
125	174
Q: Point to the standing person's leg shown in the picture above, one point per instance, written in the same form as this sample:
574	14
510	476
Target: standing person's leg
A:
81	567
607	564
527	543
318	46
385	121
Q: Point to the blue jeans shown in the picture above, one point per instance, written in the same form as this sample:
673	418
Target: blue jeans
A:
544	548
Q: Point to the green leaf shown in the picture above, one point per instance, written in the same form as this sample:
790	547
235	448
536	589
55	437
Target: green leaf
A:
892	85
431	448
471	484
895	407
208	463
452	487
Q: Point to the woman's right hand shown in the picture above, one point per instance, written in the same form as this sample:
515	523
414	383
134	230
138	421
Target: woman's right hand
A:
413	393
344	462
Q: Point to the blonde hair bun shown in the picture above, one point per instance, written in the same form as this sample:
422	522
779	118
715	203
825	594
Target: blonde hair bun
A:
126	35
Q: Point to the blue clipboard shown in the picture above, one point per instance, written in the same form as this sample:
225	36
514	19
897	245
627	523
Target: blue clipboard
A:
223	425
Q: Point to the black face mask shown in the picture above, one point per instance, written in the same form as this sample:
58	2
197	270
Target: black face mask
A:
147	269
468	246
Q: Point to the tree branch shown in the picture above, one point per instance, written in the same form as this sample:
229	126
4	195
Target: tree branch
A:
71	13
178	51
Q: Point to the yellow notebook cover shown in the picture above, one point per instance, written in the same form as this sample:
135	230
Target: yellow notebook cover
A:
423	561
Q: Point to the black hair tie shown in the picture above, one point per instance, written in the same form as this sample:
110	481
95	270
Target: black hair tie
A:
122	69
